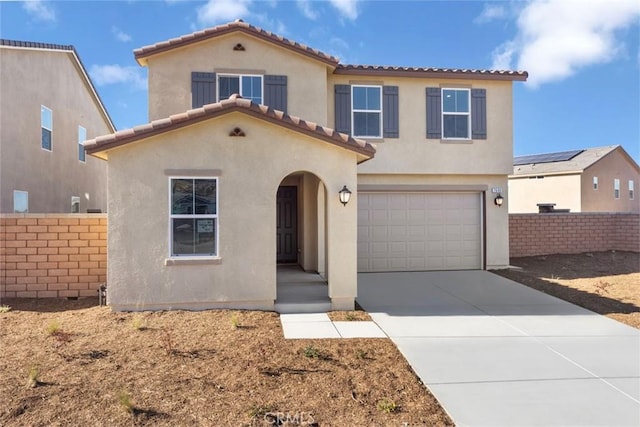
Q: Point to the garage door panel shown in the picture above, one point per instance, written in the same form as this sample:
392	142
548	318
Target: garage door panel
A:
419	231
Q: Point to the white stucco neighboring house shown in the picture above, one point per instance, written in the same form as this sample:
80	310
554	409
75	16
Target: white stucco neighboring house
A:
250	141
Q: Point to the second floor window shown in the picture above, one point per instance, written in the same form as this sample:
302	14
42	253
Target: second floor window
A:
456	113
631	195
367	111
247	86
46	124
595	182
616	188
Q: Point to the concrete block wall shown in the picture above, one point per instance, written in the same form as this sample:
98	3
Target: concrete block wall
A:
52	255
568	233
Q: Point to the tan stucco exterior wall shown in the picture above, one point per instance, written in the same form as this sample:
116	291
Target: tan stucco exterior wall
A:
251	169
614	165
496	219
563	190
31	78
170	74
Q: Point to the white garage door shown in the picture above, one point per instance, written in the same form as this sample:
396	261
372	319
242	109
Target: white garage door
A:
419	231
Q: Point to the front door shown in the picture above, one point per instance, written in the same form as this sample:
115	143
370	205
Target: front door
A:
287	224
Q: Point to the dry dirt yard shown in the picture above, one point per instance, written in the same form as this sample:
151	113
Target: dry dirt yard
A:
73	363
605	282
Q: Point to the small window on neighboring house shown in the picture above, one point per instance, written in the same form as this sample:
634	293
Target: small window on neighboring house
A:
456	114
82	136
46	123
194	217
247	86
616	188
366	102
75	204
595	182
631	195
20	201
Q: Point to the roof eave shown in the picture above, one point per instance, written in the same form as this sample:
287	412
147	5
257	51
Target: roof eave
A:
449	74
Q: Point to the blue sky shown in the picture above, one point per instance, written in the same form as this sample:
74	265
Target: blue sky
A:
583	56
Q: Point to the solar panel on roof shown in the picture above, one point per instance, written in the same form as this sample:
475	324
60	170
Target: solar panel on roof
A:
562	156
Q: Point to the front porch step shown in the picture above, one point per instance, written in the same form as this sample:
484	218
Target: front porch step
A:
303	307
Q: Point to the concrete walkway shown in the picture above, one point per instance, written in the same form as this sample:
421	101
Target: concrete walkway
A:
497	353
318	325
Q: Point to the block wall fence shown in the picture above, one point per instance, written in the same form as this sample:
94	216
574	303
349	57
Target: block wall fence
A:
52	255
65	255
570	233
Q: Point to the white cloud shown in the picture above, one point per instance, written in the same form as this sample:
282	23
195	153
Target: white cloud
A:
557	38
306	9
216	11
491	12
39	10
104	75
120	35
347	8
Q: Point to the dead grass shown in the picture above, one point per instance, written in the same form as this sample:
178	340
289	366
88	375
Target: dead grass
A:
194	368
605	282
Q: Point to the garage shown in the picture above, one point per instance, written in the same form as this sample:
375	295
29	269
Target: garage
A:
417	231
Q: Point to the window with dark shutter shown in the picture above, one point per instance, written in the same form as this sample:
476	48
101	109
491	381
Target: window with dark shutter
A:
275	92
390	112
478	113
203	89
343	108
434	113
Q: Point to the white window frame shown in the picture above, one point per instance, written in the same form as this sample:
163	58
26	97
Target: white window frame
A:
42	126
356	110
595	183
82	155
443	113
631	190
216	255
16	192
616	188
239	76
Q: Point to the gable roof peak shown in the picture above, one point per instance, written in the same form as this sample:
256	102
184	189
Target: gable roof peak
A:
238	25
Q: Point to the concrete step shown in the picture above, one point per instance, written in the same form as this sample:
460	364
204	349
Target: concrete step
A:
303	307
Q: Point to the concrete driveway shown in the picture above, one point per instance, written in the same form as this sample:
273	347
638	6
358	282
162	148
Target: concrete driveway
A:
497	353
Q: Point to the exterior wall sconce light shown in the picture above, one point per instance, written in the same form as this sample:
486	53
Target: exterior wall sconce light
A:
345	195
499	200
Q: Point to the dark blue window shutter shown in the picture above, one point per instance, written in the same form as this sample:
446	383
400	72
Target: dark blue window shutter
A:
478	114
203	89
390	112
434	113
275	92
343	108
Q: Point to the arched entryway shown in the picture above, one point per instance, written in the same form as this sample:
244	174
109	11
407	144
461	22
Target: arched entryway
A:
301	216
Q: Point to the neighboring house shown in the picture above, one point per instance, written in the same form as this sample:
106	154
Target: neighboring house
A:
264	184
601	179
48	108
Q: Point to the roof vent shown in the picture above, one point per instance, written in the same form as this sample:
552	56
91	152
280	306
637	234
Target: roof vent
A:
237	132
239	47
238	20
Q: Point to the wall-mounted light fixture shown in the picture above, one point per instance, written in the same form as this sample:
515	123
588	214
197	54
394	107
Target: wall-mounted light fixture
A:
499	200
345	195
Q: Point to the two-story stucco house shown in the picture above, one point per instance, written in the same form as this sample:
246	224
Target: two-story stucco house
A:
48	108
255	140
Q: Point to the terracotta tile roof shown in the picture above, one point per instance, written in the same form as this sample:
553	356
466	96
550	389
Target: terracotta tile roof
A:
238	25
234	103
383	70
65	48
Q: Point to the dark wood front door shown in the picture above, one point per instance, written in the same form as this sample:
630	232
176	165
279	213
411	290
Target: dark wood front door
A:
287	224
